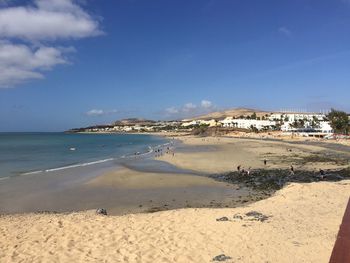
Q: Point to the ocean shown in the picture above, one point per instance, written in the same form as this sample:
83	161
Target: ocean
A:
30	153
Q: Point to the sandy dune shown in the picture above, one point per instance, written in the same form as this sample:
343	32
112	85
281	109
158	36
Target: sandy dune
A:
302	224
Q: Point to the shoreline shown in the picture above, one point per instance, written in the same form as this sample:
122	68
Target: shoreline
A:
296	222
73	151
115	188
162	187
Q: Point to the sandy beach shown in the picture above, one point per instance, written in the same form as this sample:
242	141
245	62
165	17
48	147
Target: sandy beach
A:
301	226
174	131
298	223
222	154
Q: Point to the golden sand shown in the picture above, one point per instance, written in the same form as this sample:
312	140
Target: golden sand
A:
302	220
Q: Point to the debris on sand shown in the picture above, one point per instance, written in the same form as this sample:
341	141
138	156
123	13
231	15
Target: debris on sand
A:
252	216
221	219
221	258
257	216
101	211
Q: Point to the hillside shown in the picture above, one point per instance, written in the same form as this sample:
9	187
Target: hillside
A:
232	113
134	121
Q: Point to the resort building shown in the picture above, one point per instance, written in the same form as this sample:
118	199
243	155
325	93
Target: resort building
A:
187	123
230	122
293	116
321	127
325	127
210	123
310	123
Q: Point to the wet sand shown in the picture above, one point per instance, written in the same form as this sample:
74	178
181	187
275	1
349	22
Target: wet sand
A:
129	186
145	192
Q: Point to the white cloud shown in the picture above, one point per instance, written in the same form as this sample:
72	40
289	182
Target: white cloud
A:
95	112
99	112
206	104
23	56
285	31
19	63
190	109
172	110
47	20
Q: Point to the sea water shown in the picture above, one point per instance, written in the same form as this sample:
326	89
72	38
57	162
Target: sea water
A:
28	153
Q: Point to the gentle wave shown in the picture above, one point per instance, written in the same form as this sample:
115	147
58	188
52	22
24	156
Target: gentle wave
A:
4	178
79	165
35	172
69	166
150	150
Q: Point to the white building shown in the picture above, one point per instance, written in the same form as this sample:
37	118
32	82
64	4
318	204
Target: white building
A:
309	121
325	127
229	122
292	116
190	123
210	123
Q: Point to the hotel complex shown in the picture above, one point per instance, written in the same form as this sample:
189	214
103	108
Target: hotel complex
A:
306	124
286	122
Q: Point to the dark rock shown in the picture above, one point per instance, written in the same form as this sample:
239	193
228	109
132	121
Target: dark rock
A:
156	209
274	179
222	219
257	216
101	211
221	257
333	177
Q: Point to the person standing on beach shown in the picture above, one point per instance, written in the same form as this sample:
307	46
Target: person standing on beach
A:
265	161
291	170
238	168
322	173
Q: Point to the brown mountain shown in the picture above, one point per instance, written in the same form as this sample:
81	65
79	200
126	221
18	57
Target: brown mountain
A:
232	113
134	121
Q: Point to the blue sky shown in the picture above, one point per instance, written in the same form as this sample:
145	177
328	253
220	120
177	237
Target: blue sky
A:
67	64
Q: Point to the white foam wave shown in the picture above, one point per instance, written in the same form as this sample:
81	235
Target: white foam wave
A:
150	150
35	172
4	178
79	165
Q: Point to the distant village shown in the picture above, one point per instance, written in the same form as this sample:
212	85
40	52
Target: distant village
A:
302	123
